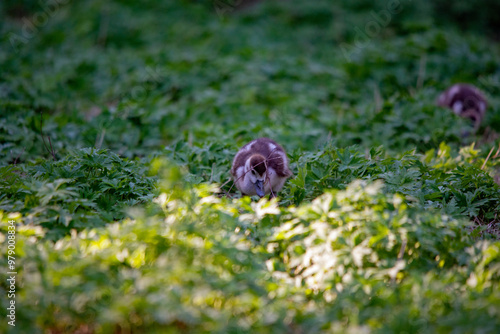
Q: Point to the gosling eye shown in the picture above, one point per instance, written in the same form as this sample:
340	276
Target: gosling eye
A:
253	172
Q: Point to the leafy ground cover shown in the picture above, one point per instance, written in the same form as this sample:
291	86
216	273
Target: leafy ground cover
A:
119	121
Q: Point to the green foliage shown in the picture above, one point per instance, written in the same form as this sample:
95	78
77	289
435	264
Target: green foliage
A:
86	189
362	255
461	190
205	264
457	185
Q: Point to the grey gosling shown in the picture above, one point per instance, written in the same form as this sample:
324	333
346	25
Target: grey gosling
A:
260	167
466	101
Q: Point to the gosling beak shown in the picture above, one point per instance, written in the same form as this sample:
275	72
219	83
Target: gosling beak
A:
259	188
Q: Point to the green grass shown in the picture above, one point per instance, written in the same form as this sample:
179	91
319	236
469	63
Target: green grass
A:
118	126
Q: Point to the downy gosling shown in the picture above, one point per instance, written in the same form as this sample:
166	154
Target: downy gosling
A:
260	167
466	101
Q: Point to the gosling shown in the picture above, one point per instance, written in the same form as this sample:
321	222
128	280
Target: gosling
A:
260	168
466	101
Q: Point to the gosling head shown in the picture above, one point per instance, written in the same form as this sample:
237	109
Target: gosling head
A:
256	169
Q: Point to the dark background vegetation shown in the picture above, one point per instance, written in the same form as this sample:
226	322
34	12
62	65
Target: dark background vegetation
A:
119	121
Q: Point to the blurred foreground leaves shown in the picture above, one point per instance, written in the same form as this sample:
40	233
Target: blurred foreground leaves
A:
194	262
